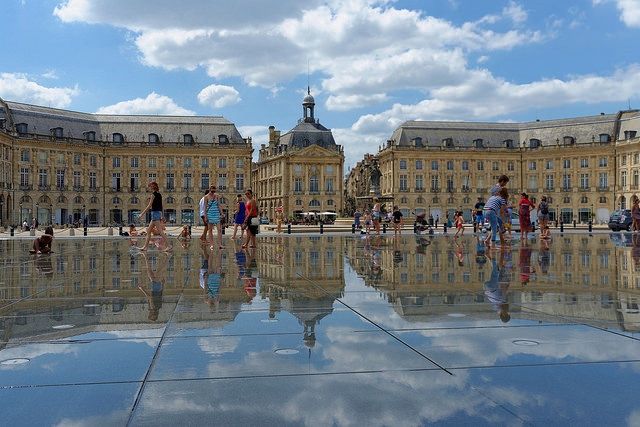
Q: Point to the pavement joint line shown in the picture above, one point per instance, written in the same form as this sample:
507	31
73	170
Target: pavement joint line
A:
151	364
378	326
27	386
535	365
613	332
438	328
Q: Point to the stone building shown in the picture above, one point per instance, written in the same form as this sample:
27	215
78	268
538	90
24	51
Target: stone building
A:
586	166
62	166
301	169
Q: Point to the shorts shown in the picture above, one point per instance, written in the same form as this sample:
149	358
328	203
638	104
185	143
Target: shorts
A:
156	215
543	217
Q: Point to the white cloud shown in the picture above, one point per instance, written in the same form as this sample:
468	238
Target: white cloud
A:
50	74
515	12
218	96
629	11
18	87
259	135
152	104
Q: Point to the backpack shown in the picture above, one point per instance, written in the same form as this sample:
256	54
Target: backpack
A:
544	208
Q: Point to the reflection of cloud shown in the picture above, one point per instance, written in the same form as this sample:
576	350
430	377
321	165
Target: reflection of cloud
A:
32	351
215	346
114	418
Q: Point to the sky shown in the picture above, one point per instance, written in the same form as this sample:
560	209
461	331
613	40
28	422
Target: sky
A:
371	64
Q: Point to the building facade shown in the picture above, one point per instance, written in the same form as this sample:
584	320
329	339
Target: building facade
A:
301	170
63	166
586	166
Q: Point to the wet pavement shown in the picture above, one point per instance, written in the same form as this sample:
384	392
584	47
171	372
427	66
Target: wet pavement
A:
323	330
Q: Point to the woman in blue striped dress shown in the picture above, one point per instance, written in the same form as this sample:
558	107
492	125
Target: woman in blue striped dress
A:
213	211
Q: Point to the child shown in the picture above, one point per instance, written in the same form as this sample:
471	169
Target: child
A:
185	234
635	215
459	223
397	221
42	245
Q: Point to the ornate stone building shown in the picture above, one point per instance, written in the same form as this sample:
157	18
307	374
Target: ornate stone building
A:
62	166
302	169
585	165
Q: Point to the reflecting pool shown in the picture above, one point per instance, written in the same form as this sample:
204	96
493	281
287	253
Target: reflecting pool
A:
322	330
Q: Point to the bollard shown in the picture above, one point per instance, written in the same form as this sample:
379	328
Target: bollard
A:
120	231
72	231
321	228
574	223
110	231
444	227
475	227
85	231
415	228
384	227
353	229
561	227
590	226
431	231
13	230
289	228
222	227
189	229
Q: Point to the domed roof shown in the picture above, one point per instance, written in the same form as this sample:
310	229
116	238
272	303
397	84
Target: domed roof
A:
308	99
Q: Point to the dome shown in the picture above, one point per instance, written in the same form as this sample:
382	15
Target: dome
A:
308	100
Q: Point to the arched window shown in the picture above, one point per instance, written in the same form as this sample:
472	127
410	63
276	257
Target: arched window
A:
566	200
77	200
116	201
93	199
298	202
187	200
603	199
330	202
314	203
568	140
62	199
187	138
223	139
420	200
153	138
117	138
534	143
57	132
478	143
134	200
584	199
22	129
404	200
170	200
89	136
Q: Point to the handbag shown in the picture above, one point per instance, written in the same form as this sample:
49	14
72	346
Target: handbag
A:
255	221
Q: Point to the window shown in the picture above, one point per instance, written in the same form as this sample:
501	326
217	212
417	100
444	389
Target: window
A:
223	139
495	166
449	165
57	132
77	179
603	180
534	143
418	164
297	168
419	182
548	164
478	143
93	180
480	165
187	162
187	138
449	183
434	165
76	159
24	155
403	164
93	161
59	178
605	137
628	134
435	182
636	158
24	176
635	179
22	129
566	164
566	181
328	184
116	162
153	138
623	160
313	183
240	163
222	181
584	163
43	157
135	162
548	182
603	162
171	181
152	162
170	162
297	185
511	166
89	136
222	162
186	180
134	181
533	182
239	181
43	177
298	202
204	181
403	182
117	138
115	181
623	179
568	140
533	165
584	181
204	162
465	165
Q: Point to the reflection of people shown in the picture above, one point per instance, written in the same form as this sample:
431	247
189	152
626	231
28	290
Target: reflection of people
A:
154	297
544	256
376	215
495	289
42	244
185	234
214	278
249	277
524	262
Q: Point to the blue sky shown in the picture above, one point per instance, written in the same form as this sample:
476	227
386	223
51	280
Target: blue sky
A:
372	63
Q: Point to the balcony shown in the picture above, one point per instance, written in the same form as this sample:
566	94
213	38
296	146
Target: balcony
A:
466	189
435	190
403	190
603	189
584	189
134	189
170	189
419	190
26	187
44	187
634	187
481	190
451	190
549	189
61	188
566	189
78	188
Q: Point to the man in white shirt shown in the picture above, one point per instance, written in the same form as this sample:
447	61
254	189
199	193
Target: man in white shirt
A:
203	216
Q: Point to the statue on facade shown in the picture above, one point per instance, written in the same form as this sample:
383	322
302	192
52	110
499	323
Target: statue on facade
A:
374	178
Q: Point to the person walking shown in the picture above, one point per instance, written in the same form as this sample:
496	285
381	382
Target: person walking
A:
635	214
203	216
376	215
397	221
238	217
279	218
479	219
525	206
459	223
356	219
252	222
367	221
492	210
214	214
543	218
155	206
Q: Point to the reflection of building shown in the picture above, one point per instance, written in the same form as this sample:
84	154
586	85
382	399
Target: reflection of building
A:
301	169
578	277
63	165
302	276
585	165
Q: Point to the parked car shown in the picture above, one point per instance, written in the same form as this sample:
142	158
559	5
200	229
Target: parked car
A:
620	220
515	223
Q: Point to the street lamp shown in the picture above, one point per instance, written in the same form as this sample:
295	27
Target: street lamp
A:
21	220
84	215
51	213
37	213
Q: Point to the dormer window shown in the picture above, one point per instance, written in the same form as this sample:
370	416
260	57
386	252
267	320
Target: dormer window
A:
447	142
223	139
57	132
89	136
534	143
118	138
153	138
568	140
417	142
22	129
188	139
478	143
508	143
628	134
605	137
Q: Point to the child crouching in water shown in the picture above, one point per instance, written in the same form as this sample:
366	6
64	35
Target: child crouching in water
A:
42	244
